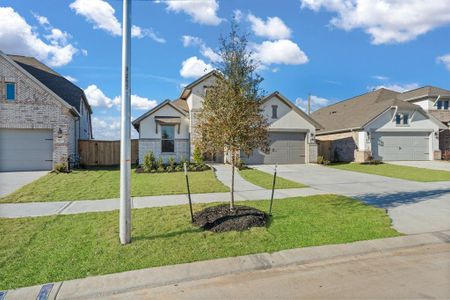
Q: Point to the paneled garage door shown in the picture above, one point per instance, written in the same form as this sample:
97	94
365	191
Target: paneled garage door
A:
26	149
401	146
285	148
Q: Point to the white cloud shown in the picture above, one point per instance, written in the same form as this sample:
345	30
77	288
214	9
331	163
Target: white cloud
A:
41	19
273	28
102	15
444	59
237	15
98	12
108	128
279	52
202	12
206	51
18	37
57	36
316	103
386	21
140	33
194	67
137	102
396	87
380	77
97	98
70	78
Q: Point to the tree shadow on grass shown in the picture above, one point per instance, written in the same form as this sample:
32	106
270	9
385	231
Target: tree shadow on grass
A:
401	198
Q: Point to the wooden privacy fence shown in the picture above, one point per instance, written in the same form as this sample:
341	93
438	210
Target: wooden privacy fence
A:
103	153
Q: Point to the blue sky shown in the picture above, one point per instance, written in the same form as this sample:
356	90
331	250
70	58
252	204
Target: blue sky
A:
332	49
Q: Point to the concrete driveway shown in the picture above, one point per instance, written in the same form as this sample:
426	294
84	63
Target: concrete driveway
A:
427	164
415	207
11	181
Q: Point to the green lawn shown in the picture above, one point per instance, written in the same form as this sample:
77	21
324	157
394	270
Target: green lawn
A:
265	180
55	248
104	184
396	171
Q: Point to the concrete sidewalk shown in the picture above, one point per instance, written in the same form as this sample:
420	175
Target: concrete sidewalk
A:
36	209
106	286
223	173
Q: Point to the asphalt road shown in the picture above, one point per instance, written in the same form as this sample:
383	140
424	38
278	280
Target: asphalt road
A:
415	273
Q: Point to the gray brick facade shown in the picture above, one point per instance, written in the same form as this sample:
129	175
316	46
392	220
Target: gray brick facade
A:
36	108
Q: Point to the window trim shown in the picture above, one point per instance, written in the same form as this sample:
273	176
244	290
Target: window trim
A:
165	139
400	120
274	111
7	83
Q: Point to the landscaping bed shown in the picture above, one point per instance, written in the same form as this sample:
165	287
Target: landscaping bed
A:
395	171
265	180
103	183
54	248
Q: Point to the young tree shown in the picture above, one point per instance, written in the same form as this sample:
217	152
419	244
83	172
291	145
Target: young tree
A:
231	117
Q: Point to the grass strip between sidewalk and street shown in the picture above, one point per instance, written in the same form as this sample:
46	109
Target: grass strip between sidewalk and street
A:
55	248
265	180
103	183
396	171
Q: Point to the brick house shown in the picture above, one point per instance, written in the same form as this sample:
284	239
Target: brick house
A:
42	115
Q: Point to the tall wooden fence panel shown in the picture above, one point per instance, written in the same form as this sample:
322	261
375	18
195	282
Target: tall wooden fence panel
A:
103	153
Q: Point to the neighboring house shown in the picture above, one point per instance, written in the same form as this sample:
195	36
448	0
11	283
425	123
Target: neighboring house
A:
168	130
42	115
378	124
435	101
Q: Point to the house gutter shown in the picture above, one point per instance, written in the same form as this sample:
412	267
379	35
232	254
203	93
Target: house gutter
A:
339	131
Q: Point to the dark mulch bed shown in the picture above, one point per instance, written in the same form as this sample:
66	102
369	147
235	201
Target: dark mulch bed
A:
220	218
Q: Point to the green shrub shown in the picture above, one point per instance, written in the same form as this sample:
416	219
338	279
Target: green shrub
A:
60	168
149	162
322	160
240	164
197	156
160	163
171	162
179	168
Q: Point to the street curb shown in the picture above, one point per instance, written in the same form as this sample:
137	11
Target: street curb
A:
106	285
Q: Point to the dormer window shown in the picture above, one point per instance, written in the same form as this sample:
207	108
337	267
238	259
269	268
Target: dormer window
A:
442	104
402	119
274	111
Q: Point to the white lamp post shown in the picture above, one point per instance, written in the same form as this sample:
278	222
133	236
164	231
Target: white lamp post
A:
125	132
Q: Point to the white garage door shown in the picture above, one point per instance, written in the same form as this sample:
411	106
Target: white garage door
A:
401	146
26	149
285	148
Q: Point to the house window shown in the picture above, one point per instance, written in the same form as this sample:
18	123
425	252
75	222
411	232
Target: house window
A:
398	119
405	119
274	111
439	104
446	104
10	91
167	138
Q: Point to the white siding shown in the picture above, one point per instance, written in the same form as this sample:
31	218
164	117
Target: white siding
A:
147	127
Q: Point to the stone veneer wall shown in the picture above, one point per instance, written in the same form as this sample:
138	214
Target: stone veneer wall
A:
35	108
154	145
313	152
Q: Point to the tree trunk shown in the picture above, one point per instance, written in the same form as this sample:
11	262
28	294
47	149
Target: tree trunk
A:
232	179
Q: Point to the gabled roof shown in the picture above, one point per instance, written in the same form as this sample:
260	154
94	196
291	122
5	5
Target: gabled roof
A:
187	89
356	112
155	109
62	87
294	107
423	92
182	104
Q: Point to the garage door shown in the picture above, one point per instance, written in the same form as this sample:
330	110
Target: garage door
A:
401	146
285	148
26	149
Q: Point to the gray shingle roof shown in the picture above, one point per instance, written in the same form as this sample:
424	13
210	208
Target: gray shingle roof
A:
62	87
355	112
426	91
